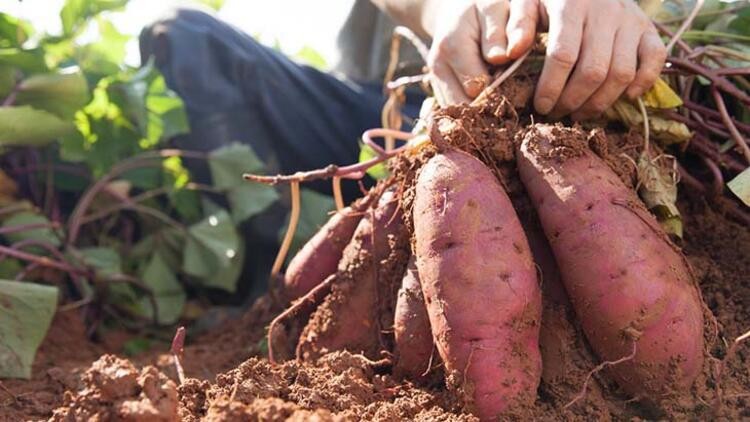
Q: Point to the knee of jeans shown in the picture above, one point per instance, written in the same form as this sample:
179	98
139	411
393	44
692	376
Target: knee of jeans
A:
187	21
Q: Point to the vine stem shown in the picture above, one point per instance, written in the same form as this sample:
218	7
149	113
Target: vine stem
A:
353	171
707	13
289	235
178	349
717	80
646	126
308	297
11	98
337	196
685	25
41	260
26	227
408	34
140	161
739	140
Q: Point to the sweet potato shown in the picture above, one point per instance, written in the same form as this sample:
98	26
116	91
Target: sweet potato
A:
412	327
320	256
479	284
630	287
348	318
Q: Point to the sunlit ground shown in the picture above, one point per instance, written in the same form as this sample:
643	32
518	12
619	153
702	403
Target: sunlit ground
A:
291	23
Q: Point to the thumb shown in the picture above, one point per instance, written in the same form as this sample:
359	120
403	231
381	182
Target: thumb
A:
521	28
493	17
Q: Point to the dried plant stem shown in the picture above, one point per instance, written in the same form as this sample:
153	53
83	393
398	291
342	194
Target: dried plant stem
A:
289	235
685	25
337	196
353	171
177	349
41	260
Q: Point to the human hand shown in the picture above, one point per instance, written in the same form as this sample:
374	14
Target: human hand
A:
597	49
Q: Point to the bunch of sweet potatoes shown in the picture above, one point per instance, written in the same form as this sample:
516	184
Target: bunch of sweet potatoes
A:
461	284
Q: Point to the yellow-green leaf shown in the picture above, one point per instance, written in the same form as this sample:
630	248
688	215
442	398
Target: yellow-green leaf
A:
661	95
665	131
658	189
740	186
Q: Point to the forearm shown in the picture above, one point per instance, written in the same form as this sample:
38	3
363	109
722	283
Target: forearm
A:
418	15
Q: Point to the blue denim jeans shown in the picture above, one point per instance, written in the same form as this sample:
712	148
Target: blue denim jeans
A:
295	117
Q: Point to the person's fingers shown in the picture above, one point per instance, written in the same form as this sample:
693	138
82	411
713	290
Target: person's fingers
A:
462	55
621	74
493	16
445	83
521	29
651	57
593	65
563	46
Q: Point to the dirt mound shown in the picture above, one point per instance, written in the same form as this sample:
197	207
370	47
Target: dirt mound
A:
114	390
340	386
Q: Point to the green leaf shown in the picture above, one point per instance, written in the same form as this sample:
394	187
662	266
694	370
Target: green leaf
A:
314	213
75	13
168	292
187	203
741	23
9	268
311	57
105	57
30	61
211	245
26	311
136	346
27	126
13	31
740	186
250	199
213	4
378	171
169	117
7	80
106	261
228	163
58	93
226	278
46	235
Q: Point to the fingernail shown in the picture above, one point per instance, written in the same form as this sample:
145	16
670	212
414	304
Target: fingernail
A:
496	52
544	105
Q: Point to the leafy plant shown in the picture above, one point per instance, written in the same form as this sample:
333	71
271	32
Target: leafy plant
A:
93	202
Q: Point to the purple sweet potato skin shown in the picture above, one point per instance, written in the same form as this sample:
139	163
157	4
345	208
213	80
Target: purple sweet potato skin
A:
348	317
411	327
626	281
320	256
479	284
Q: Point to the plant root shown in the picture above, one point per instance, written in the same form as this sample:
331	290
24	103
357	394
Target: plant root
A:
596	370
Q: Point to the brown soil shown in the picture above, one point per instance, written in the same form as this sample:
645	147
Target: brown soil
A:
230	378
